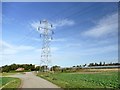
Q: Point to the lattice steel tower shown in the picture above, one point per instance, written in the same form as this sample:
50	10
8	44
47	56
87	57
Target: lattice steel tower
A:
46	33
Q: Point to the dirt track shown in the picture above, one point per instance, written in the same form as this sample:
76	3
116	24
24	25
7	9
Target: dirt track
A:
29	80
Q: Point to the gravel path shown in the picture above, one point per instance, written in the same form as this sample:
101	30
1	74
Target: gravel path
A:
29	80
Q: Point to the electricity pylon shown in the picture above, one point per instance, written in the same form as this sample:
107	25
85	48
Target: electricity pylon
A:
46	33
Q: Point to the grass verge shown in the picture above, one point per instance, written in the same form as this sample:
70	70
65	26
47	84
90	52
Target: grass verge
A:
10	82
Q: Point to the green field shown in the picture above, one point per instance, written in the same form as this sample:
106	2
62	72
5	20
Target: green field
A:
83	79
13	82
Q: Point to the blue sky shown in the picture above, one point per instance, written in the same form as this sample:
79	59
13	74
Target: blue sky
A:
84	32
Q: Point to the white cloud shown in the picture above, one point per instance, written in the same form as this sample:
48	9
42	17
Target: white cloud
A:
100	50
35	24
106	26
92	47
57	23
8	51
63	22
92	52
7	48
8	20
3	43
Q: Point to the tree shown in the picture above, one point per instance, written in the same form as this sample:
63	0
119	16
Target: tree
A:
0	69
25	66
80	66
74	66
91	64
32	67
84	65
37	68
13	67
5	68
44	68
96	64
55	68
103	63
100	64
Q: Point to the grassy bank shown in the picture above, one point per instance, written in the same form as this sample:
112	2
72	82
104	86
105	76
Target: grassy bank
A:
83	79
7	74
10	73
9	82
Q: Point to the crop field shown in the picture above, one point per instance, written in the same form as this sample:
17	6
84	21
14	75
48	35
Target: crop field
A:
83	79
13	82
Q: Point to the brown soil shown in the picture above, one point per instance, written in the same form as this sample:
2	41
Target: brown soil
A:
93	71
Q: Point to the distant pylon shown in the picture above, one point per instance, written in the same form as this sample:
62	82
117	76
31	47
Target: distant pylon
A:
46	33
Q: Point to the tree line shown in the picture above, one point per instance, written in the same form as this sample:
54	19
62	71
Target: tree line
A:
30	67
13	67
103	64
27	67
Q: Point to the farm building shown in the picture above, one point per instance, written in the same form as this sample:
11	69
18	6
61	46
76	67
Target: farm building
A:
20	69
